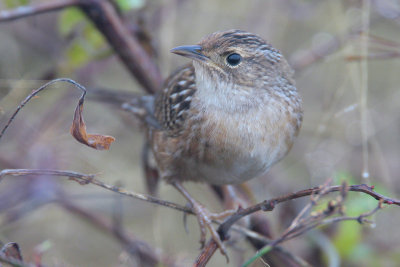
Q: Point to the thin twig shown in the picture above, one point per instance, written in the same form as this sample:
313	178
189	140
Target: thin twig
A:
31	10
223	229
309	205
90	179
34	93
269	205
294	232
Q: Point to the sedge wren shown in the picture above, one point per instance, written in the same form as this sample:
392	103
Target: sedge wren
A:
226	117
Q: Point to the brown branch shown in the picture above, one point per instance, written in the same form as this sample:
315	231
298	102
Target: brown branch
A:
109	23
302	223
100	222
34	93
301	229
312	203
256	227
31	10
307	225
136	247
128	48
223	229
84	179
268	205
206	254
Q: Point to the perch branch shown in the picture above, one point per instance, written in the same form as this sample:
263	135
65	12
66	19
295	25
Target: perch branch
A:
268	205
223	229
303	225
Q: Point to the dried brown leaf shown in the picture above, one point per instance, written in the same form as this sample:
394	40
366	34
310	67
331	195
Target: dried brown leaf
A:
78	131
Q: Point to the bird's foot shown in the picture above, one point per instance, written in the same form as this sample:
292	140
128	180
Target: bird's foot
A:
205	218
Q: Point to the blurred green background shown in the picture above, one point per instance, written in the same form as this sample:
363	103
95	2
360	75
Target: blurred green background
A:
318	37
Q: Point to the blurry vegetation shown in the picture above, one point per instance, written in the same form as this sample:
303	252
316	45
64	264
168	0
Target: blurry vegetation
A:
86	43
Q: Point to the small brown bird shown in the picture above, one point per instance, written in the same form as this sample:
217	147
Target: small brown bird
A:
225	118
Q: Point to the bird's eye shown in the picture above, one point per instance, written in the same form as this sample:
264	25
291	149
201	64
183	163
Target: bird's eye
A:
233	59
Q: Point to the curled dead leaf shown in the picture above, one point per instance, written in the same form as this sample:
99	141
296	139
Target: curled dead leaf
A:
78	130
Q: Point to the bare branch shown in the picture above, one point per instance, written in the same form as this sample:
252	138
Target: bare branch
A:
31	10
268	205
34	93
128	48
303	228
109	23
84	179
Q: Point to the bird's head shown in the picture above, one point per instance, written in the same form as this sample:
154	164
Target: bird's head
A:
237	59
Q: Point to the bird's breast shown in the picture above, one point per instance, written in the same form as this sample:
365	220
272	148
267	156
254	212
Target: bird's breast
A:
234	147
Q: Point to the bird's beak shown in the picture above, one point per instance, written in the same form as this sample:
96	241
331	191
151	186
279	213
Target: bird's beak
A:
191	51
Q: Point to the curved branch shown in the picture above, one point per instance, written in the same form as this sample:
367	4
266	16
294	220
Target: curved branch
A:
34	93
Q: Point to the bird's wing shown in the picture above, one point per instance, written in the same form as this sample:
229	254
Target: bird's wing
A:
173	102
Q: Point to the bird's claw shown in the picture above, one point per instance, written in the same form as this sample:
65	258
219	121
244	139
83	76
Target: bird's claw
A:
204	217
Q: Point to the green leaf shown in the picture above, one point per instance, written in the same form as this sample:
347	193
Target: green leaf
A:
127	5
77	55
69	19
15	3
339	177
348	237
94	38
